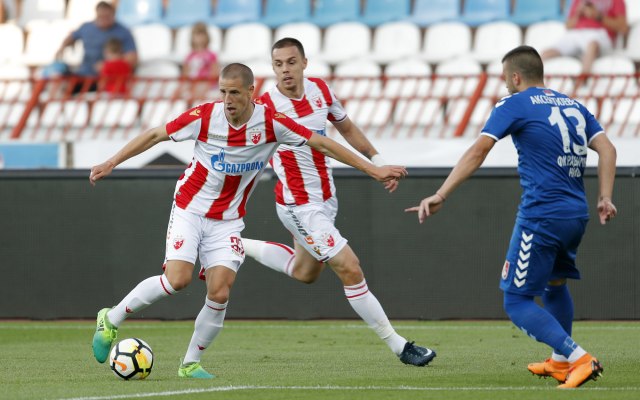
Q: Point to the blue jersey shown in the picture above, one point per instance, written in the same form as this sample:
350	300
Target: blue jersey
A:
551	133
93	40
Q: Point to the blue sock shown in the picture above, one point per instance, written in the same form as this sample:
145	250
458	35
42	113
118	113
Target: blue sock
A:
558	302
538	323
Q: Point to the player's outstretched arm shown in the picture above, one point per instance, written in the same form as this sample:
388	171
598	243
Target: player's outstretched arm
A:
357	139
335	150
136	146
470	161
606	175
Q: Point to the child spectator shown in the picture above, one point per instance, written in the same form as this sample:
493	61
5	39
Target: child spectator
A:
201	63
115	71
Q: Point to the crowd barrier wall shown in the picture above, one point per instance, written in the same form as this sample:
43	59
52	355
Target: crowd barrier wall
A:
69	249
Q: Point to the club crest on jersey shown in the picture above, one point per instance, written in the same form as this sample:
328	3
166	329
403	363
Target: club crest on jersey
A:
505	270
178	241
317	101
255	136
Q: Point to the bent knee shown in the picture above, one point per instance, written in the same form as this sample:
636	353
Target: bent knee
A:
179	281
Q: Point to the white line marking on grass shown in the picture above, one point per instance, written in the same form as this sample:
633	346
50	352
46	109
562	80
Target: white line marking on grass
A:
348	388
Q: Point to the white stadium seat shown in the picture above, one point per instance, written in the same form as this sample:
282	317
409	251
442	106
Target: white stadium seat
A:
492	40
543	35
357	78
153	42
633	43
446	40
156	113
61	114
561	73
81	11
308	34
40	10
335	51
611	86
407	78
114	112
245	42
394	41
457	77
39	49
12	40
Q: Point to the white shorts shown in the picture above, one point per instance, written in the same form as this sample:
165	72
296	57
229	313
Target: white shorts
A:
575	41
312	225
217	242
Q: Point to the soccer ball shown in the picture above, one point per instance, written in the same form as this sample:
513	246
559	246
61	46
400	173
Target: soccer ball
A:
131	359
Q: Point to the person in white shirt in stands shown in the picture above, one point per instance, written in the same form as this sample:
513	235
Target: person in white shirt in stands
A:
306	200
234	139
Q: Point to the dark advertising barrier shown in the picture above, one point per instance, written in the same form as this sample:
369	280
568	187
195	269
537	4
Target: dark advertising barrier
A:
67	249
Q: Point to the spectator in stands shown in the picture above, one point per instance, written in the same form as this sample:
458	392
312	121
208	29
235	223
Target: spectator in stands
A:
116	70
201	64
592	27
8	10
94	35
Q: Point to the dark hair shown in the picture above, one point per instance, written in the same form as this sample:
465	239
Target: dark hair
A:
105	5
237	70
114	45
526	61
288	42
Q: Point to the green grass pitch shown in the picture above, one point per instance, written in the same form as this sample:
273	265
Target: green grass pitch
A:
312	360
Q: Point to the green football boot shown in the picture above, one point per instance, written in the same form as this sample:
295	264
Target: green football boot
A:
194	370
105	335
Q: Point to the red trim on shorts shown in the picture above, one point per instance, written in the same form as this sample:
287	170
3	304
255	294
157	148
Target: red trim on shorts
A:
320	162
227	194
294	177
192	186
284	246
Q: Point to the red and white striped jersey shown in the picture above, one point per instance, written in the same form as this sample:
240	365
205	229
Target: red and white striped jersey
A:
228	160
305	174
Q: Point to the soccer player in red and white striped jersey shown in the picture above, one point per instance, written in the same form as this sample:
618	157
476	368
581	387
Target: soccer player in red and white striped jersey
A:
306	197
234	139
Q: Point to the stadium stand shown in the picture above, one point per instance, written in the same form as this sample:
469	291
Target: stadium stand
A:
282	12
477	12
435	72
231	12
527	12
38	10
328	12
306	32
427	12
446	40
395	41
186	12
138	12
382	11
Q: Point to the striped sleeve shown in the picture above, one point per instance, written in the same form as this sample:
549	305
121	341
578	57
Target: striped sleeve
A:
286	129
192	124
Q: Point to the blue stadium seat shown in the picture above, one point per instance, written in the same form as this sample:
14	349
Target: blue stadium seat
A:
427	12
231	12
377	12
527	12
328	12
280	12
186	12
138	12
477	12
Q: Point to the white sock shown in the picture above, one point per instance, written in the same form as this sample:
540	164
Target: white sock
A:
369	309
558	357
576	354
146	293
208	324
277	256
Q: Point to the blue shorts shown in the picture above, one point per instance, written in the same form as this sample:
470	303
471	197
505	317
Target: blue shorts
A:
541	250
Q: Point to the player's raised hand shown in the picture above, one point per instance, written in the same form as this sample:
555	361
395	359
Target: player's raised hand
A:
387	173
606	210
427	207
100	171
